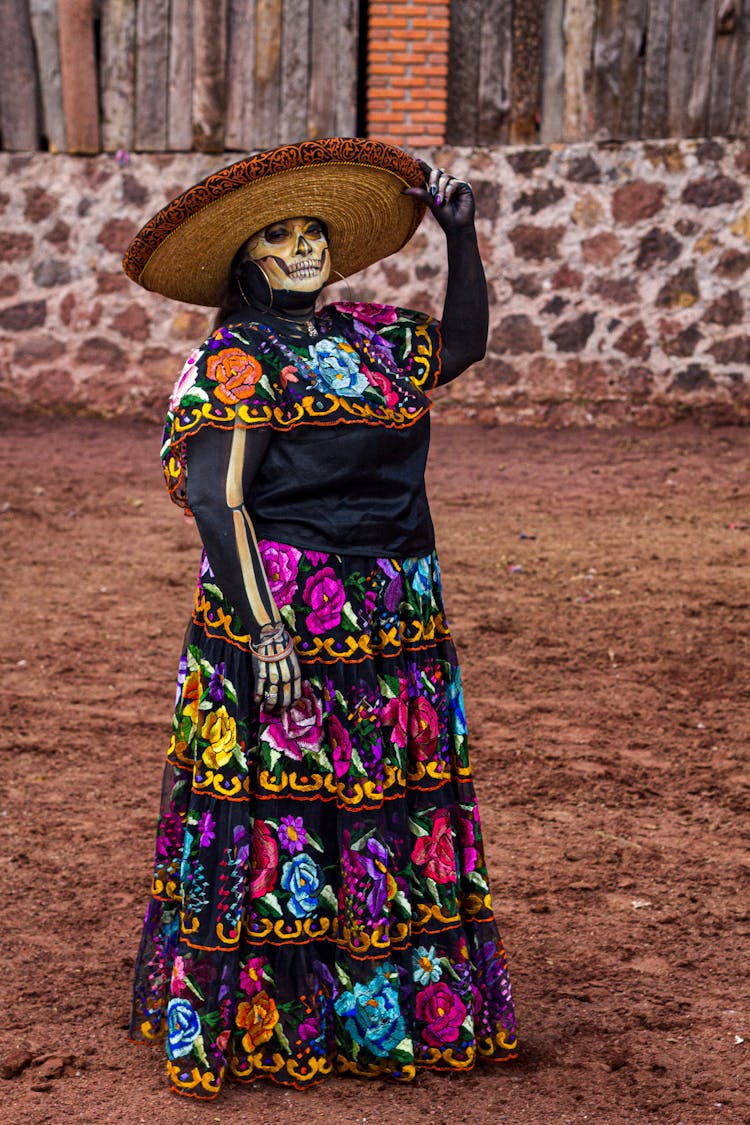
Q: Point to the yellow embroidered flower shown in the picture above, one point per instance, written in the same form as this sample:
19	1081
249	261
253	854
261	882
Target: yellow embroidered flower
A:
221	731
259	1019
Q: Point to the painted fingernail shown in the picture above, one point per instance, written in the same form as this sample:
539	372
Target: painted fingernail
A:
433	189
438	199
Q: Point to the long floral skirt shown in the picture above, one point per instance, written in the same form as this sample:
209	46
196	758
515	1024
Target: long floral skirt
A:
320	900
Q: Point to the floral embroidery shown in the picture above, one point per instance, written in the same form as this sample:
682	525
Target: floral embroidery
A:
373	365
235	373
320	896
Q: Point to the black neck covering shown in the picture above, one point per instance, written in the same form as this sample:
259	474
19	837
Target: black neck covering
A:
256	293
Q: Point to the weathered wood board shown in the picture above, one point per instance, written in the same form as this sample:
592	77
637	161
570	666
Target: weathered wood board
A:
19	124
209	74
494	80
151	75
118	74
78	75
46	34
180	76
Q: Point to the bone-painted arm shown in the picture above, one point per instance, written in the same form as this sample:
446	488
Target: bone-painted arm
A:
465	320
221	467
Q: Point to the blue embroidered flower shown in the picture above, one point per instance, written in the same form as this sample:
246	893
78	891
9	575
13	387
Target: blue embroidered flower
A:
302	877
419	573
456	703
426	965
183	1028
337	366
371	1014
187	849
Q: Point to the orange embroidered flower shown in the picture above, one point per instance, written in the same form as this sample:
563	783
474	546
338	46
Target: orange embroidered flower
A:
236	374
259	1019
221	731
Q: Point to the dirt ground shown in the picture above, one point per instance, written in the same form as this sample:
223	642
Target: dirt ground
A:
598	589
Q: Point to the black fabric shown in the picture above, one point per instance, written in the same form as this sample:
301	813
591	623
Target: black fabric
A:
349	490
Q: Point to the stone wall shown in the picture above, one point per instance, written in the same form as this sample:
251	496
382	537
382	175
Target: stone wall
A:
618	282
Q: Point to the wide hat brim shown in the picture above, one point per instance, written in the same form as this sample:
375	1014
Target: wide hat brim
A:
355	186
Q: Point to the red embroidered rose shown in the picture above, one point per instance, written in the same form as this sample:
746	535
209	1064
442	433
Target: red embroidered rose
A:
264	860
436	852
423	728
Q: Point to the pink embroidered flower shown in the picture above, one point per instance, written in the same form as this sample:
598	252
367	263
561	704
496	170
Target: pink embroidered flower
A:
435	853
288	375
383	383
317	558
325	595
342	745
298	730
280	562
179	984
251	976
185	380
396	714
374	316
264	859
423	728
469	855
442	1013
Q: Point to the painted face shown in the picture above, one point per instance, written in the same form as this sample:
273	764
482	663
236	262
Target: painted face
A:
293	254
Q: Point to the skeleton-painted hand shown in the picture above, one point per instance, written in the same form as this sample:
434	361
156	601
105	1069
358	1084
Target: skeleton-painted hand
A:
277	676
450	200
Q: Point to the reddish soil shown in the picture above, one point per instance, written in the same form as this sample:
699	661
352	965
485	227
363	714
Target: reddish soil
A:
608	697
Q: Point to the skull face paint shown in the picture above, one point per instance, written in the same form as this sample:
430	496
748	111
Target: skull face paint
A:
293	254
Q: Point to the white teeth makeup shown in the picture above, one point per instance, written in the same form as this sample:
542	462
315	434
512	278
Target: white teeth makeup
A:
293	254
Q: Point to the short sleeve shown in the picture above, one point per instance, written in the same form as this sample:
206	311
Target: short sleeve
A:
224	383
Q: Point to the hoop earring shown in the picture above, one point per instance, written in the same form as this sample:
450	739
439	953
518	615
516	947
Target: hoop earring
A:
243	294
350	295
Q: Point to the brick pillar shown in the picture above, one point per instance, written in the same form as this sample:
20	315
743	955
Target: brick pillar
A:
407	71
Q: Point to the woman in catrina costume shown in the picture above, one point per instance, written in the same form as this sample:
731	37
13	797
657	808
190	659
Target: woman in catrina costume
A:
320	900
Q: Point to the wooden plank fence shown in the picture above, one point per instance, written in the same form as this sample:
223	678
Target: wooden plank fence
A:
215	75
599	69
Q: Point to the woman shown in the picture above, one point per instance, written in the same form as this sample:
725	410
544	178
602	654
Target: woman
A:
320	901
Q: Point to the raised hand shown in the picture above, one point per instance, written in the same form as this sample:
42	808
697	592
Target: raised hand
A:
450	200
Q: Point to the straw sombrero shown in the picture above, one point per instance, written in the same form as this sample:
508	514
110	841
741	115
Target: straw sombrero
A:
353	185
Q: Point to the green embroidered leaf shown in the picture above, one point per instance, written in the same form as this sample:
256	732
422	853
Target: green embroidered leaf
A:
200	1050
327	897
349	617
357	761
194	988
478	879
212	589
446	965
229	691
193	658
239	756
196	396
400	900
322	761
312	842
417	829
432	887
272	903
344	977
279	1033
